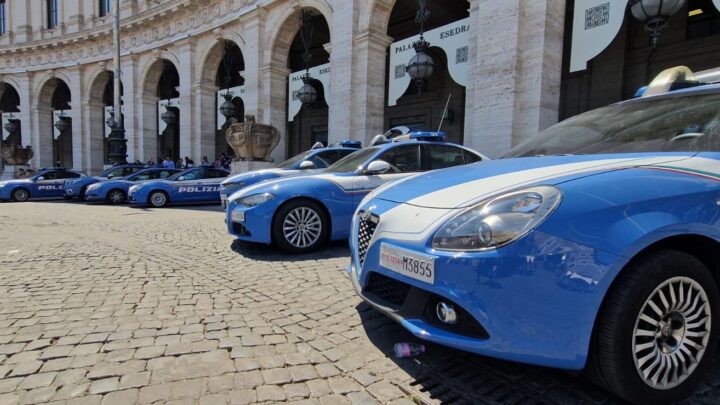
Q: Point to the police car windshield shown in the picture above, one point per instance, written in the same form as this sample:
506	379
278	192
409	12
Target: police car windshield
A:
189	174
352	162
672	124
293	161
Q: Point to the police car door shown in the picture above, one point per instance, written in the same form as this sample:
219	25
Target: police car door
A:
211	184
48	185
404	160
189	189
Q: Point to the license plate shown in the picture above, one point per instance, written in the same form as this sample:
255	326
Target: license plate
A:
223	200
414	265
238	216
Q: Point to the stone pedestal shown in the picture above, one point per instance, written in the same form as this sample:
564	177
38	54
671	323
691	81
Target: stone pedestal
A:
9	171
249	166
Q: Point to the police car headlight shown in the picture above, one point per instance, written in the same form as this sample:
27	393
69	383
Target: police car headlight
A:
255	200
134	189
93	187
498	221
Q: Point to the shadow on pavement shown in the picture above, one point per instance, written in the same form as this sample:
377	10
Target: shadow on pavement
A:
257	251
446	375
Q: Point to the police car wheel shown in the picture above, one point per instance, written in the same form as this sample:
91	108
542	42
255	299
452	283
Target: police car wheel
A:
655	336
20	195
116	197
158	199
300	226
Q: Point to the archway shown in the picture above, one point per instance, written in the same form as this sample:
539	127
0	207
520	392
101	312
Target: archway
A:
100	105
426	110
9	113
229	65
53	108
308	123
160	111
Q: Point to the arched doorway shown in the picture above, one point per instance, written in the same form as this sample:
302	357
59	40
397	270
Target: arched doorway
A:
168	135
56	126
231	83
310	124
426	110
100	106
9	114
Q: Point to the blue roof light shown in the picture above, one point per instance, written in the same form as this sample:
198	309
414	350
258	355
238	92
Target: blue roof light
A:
428	136
350	144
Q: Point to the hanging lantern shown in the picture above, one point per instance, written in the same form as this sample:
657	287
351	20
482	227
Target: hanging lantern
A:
307	93
62	125
12	126
421	66
228	109
655	14
169	117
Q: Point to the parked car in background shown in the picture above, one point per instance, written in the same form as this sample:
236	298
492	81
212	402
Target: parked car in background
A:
196	185
300	214
592	246
115	191
47	183
75	188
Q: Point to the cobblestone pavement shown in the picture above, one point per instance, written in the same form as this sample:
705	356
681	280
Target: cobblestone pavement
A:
113	305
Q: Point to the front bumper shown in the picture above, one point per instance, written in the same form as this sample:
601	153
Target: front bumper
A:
523	303
137	197
256	225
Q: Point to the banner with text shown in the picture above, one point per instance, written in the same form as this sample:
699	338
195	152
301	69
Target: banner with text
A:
321	73
6	117
162	104
238	92
453	39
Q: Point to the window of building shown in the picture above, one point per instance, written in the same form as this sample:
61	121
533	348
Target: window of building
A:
105	7
703	19
3	18
52	14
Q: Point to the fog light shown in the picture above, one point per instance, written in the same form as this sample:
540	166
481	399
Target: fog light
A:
446	313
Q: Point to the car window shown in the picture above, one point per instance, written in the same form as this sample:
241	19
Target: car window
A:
194	175
326	158
402	159
354	161
51	175
471	157
144	176
164	174
442	156
119	172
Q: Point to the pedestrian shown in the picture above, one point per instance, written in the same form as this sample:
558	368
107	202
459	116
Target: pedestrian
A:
218	163
189	163
205	162
180	164
151	162
20	174
168	163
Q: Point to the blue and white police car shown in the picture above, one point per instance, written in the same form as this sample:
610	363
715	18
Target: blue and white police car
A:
594	246
115	191
319	157
47	183
197	185
75	188
300	214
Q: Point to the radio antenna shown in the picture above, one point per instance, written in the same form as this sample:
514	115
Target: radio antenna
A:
442	118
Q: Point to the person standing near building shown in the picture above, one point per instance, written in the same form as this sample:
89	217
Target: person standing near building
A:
205	162
168	163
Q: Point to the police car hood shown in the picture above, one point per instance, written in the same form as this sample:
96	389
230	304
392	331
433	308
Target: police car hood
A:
15	181
463	186
260	174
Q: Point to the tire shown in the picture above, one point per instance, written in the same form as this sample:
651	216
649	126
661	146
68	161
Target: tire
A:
300	226
82	194
20	195
116	196
630	333
158	199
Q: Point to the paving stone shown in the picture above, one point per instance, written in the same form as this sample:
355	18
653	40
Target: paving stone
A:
71	391
362	398
135	380
221	383
327	370
343	385
270	393
246	364
296	391
55	352
149	352
37	381
385	391
241	397
248	379
154	393
277	376
9	384
213	399
105	385
26	368
56	364
86	400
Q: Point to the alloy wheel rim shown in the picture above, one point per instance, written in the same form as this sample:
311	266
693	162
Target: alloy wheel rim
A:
116	197
302	227
21	195
671	333
158	199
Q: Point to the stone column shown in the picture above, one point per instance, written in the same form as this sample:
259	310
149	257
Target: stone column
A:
203	137
26	116
275	104
253	29
186	71
369	84
128	75
77	117
342	112
146	135
514	85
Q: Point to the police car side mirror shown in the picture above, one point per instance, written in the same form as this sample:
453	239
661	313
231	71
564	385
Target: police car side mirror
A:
306	164
110	176
181	178
377	167
41	178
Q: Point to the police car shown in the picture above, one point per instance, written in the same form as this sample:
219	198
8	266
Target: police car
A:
75	188
591	246
197	185
47	183
319	157
300	214
115	191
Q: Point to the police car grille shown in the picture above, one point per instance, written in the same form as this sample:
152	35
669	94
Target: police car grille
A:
386	291
241	230
365	234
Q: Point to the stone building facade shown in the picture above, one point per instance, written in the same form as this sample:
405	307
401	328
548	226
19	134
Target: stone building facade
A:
56	61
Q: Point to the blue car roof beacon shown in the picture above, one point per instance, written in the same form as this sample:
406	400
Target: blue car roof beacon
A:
640	92
379	140
428	136
350	144
318	145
